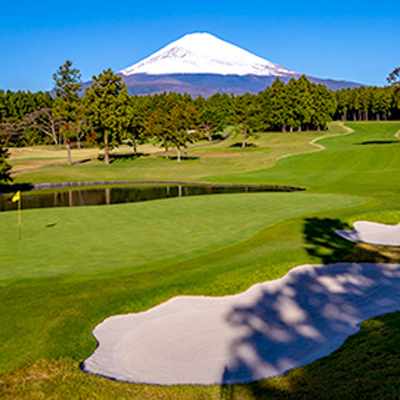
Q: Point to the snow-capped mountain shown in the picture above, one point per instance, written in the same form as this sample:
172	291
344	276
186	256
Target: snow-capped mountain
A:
203	53
202	64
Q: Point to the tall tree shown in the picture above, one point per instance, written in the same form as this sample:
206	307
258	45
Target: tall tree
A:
67	104
138	111
106	101
324	105
183	122
5	167
394	78
246	116
279	105
157	126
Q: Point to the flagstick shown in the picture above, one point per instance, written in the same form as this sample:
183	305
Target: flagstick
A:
19	216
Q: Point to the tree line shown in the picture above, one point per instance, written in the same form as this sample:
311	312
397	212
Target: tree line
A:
105	115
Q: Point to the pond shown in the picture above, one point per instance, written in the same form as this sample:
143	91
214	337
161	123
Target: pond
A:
75	197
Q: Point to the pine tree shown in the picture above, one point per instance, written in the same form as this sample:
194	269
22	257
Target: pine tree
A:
246	116
394	78
67	104
106	102
279	114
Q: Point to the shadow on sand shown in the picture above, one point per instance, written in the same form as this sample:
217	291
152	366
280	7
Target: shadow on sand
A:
308	317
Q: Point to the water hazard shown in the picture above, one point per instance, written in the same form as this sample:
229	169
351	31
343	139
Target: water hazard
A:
75	197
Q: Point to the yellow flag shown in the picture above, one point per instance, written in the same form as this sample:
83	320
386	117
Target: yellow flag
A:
16	197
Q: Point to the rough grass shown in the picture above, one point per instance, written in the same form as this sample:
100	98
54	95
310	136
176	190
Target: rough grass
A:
367	366
51	300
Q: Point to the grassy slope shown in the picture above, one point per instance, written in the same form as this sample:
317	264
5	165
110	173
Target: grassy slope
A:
269	147
45	309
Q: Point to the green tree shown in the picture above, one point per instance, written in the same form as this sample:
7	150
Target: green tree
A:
5	167
176	127
279	106
212	114
67	103
246	116
394	78
343	103
182	125
157	126
138	111
106	102
324	105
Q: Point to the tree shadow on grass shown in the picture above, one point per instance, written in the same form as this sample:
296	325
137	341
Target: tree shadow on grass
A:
322	241
378	142
269	328
183	158
122	157
15	187
248	145
348	374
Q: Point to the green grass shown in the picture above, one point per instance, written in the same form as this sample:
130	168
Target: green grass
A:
365	367
74	267
141	236
270	146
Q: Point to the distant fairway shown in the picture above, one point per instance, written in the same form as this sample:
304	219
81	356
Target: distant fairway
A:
76	266
365	162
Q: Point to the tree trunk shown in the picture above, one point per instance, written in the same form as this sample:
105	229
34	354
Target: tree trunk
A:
291	128
68	145
78	135
135	148
178	152
318	128
354	115
365	115
378	116
185	152
106	150
208	130
299	128
283	127
244	138
385	115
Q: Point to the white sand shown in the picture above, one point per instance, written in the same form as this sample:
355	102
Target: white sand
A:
371	232
263	332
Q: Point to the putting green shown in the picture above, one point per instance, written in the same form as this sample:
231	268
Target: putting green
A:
128	238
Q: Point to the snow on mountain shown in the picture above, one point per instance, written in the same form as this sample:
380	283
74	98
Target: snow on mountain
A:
203	53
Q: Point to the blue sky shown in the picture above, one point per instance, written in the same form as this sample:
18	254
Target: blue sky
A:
351	40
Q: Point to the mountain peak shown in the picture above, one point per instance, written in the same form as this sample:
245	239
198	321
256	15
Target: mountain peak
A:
204	53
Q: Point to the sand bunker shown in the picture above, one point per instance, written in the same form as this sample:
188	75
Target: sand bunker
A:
371	232
263	332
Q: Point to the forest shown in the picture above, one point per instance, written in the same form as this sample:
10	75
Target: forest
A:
105	115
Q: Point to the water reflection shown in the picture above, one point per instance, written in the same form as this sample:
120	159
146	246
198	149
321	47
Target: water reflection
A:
116	194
